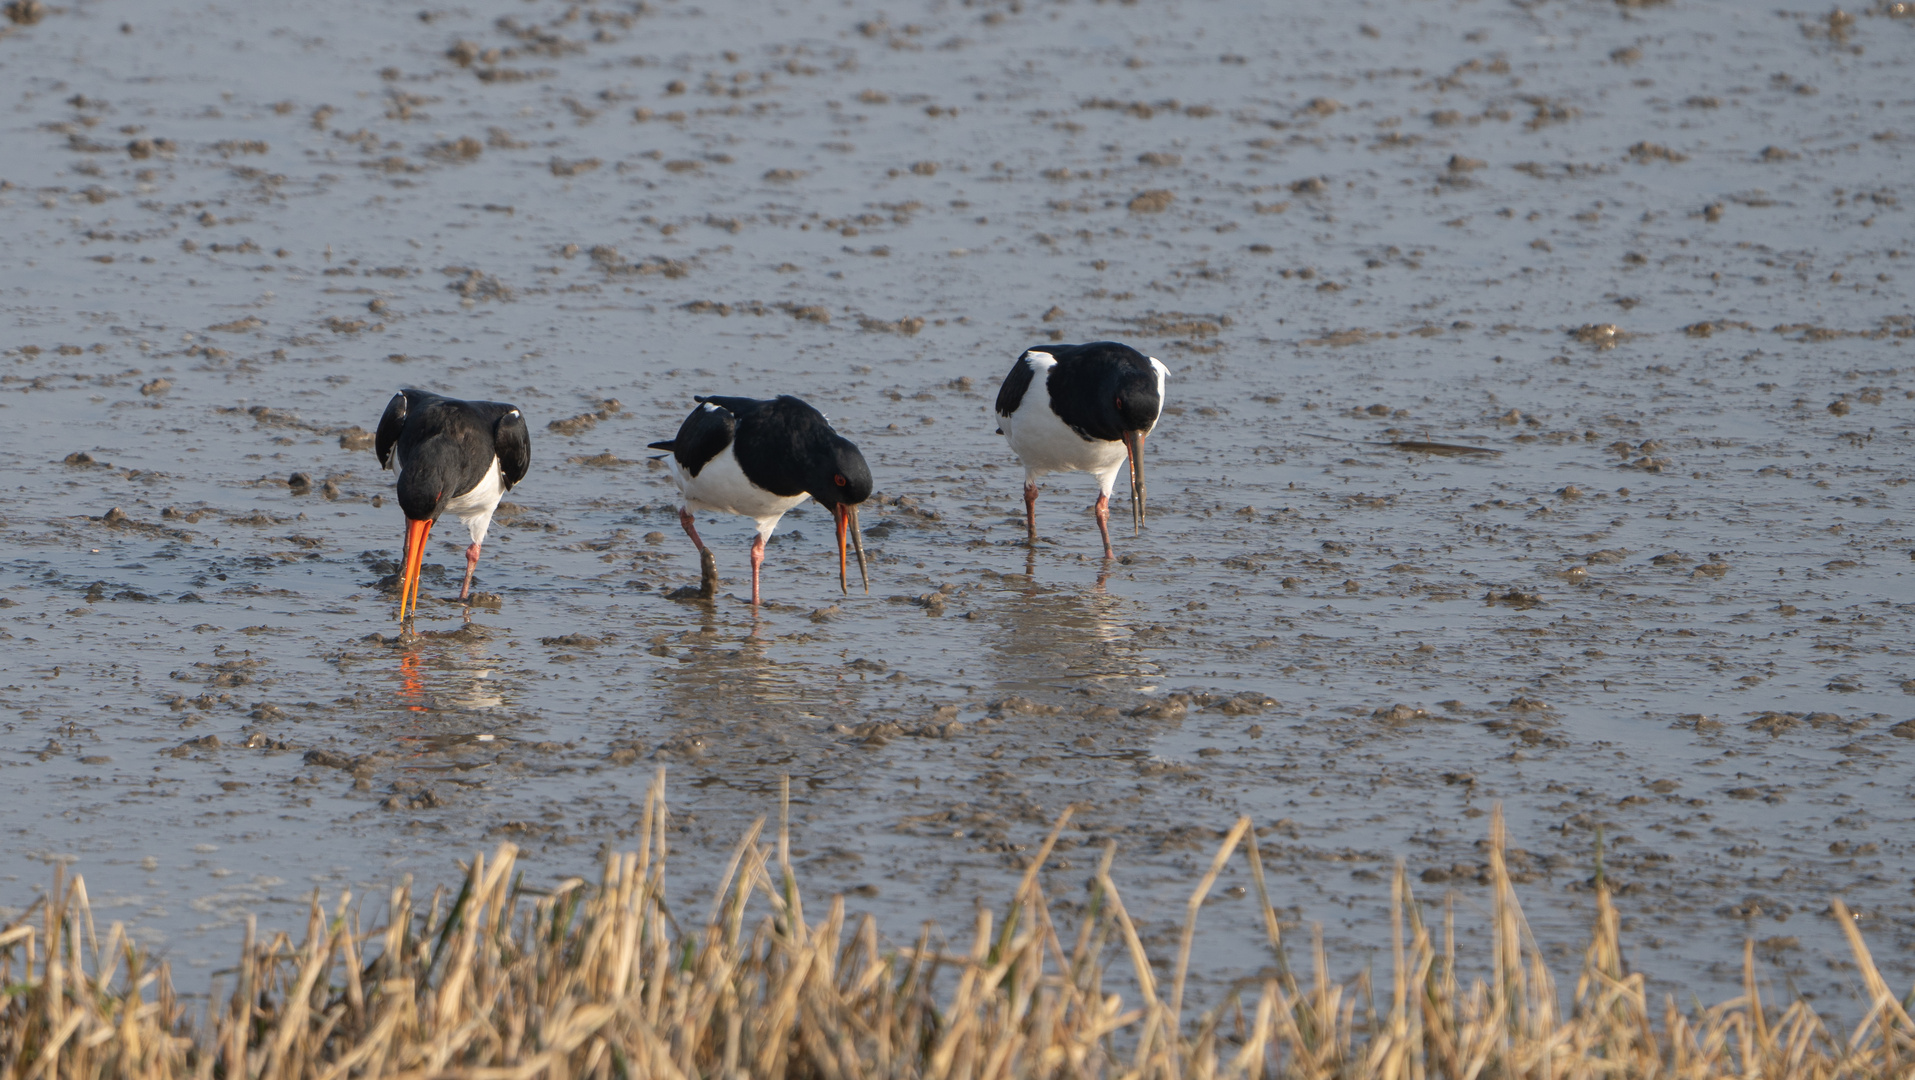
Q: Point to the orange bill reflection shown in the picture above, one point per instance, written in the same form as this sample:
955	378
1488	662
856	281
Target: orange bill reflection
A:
412	684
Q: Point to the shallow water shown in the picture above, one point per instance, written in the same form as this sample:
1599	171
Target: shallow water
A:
1673	608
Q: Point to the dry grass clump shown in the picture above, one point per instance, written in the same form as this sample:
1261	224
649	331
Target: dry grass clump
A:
505	980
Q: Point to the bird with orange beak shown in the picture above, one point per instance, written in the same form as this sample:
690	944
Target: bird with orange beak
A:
760	459
1082	408
456	457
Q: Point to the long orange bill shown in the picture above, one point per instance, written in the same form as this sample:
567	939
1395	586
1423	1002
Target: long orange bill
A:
857	540
843	514
1134	442
416	534
848	522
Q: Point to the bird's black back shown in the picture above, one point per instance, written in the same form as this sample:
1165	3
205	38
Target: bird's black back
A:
443	447
783	445
704	435
1085	384
1011	394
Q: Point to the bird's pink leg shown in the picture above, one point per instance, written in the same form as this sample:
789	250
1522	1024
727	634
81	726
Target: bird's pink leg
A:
707	562
471	564
757	560
1103	524
1030	510
691	527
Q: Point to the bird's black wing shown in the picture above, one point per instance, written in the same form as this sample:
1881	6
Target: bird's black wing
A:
390	425
1011	394
513	443
739	407
782	442
704	435
1085	382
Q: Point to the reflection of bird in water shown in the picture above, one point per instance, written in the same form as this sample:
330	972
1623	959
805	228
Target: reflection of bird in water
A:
1030	571
457	457
453	684
741	720
446	728
761	458
1055	638
720	675
1092	406
412	684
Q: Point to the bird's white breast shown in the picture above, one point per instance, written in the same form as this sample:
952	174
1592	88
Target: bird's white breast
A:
723	487
475	507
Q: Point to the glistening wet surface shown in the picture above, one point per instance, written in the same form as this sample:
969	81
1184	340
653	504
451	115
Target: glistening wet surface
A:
1653	256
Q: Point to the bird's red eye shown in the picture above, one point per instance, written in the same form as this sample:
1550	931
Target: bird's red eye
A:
1119	402
839	479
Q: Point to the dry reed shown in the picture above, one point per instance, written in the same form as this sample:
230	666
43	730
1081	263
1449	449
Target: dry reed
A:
504	980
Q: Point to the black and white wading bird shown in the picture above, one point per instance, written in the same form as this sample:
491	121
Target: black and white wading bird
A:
454	457
1082	408
738	455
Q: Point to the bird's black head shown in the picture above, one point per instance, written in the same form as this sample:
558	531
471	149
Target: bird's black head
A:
839	476
1136	399
423	492
434	472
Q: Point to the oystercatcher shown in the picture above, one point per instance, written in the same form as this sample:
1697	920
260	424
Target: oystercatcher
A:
761	458
456	457
1095	404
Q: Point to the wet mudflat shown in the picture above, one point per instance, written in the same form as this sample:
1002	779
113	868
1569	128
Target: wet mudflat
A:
1653	256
